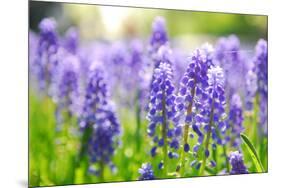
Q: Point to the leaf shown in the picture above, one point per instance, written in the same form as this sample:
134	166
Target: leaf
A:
253	153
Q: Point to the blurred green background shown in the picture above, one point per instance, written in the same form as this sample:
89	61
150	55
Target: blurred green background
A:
108	22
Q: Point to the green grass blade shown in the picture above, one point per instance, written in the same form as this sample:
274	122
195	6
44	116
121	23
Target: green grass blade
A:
253	153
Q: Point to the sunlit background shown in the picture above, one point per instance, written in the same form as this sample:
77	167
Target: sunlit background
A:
188	28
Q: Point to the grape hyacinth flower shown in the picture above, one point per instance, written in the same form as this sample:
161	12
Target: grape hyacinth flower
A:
262	76
32	43
251	89
146	172
138	83
159	49
164	53
237	163
48	44
190	100
71	40
214	111
136	69
235	120
117	63
65	86
99	122
159	35
231	58
162	113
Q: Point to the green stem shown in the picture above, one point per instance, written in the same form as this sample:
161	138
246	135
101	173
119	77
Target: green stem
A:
164	135
256	123
101	171
201	172
138	120
82	155
226	159
204	156
185	138
185	134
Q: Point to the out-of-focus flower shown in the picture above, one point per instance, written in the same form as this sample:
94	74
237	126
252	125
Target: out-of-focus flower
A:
99	114
232	59
260	61
48	44
48	36
235	120
237	163
65	86
71	40
159	34
146	172
251	89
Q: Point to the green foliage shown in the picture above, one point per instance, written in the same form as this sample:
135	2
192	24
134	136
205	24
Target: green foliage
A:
54	155
253	153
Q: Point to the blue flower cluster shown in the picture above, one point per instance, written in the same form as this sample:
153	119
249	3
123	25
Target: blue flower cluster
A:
231	58
262	75
235	120
159	35
48	44
214	114
162	112
192	95
99	114
200	97
237	163
146	172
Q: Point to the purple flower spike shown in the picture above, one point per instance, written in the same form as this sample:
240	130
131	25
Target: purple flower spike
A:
99	115
44	66
215	106
146	172
65	84
231	58
71	40
159	35
235	119
262	76
161	112
192	92
251	89
237	163
48	36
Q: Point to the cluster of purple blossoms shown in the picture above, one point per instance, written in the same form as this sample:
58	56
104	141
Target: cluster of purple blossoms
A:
210	79
71	41
251	89
159	35
99	115
65	84
232	59
192	96
162	112
213	113
136	69
237	163
48	44
146	172
262	79
235	120
215	107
